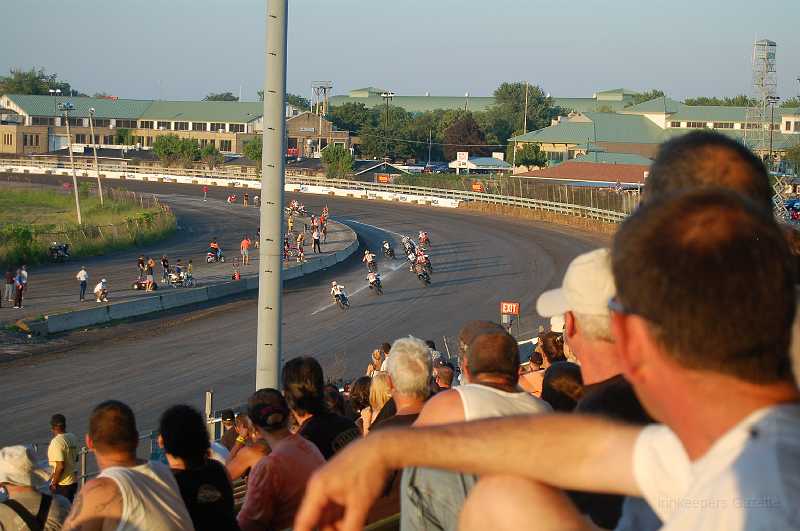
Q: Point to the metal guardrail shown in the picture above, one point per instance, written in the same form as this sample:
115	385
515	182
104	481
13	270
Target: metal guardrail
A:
563	208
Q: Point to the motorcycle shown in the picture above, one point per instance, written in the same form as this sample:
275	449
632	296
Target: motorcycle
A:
372	267
141	284
388	250
376	285
59	252
181	280
296	211
424	243
423	275
212	256
341	301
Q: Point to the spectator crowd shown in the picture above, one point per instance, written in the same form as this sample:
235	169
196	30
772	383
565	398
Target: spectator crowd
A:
662	397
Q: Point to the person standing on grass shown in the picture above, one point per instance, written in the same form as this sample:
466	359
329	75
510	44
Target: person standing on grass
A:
245	250
83	277
8	287
19	287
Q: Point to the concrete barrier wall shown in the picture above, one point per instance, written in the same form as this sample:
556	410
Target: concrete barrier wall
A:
70	320
217	291
134	308
182	297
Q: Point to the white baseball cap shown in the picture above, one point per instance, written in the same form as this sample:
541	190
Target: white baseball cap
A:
587	287
17	467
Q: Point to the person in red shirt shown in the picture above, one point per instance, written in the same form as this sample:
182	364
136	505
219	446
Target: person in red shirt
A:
245	249
277	483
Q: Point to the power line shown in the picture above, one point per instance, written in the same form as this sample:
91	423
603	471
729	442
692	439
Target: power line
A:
427	142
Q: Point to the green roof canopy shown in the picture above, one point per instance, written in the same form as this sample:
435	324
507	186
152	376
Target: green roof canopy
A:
38	105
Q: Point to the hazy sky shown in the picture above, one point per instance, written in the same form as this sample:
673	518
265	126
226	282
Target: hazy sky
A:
183	49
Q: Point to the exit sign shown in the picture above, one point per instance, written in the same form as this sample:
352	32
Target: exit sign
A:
509	308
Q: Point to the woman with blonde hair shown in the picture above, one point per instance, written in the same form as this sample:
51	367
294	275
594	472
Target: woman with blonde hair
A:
375	365
379	393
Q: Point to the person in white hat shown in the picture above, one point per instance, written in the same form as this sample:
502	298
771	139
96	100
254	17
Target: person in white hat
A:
581	304
25	507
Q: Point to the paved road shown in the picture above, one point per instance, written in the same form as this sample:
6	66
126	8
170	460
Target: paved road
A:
479	260
53	287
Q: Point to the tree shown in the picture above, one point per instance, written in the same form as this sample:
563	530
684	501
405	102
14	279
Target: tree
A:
741	100
352	116
211	156
123	137
791	102
252	149
34	81
298	101
527	155
793	157
171	149
639	97
292	99
465	135
337	160
221	96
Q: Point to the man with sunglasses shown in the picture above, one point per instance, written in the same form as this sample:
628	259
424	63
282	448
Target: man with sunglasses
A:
702	322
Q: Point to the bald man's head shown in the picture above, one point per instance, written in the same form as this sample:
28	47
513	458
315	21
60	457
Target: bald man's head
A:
473	329
495	353
704	159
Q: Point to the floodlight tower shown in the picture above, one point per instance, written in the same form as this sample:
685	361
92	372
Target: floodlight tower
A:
322	90
759	126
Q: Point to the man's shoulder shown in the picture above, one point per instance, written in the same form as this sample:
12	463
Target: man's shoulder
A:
614	398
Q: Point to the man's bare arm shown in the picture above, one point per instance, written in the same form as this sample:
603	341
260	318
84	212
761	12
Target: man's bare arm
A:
99	502
442	408
58	471
564	451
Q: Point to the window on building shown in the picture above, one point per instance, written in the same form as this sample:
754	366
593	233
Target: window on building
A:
102	122
224	145
236	128
788	126
555	156
199	126
43	120
148	141
164	125
80	138
203	142
24	140
181	126
108	140
696	125
674	124
126	124
146	124
217	126
723	125
76	122
797	126
750	125
36	140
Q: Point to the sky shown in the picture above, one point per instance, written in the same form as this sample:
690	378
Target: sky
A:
185	49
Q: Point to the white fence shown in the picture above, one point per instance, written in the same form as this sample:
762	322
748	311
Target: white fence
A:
316	185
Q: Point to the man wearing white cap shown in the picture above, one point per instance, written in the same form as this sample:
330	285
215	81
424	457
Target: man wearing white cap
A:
25	507
582	302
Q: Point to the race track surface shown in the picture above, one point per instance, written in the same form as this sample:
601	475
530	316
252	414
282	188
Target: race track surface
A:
151	364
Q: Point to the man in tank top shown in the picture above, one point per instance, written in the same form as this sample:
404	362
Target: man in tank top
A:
129	494
490	365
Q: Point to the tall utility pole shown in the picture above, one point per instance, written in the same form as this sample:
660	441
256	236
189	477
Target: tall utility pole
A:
524	128
66	106
387	97
430	138
273	165
94	149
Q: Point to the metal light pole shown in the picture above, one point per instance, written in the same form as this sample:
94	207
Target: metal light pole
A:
94	149
771	100
268	349
387	97
66	107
